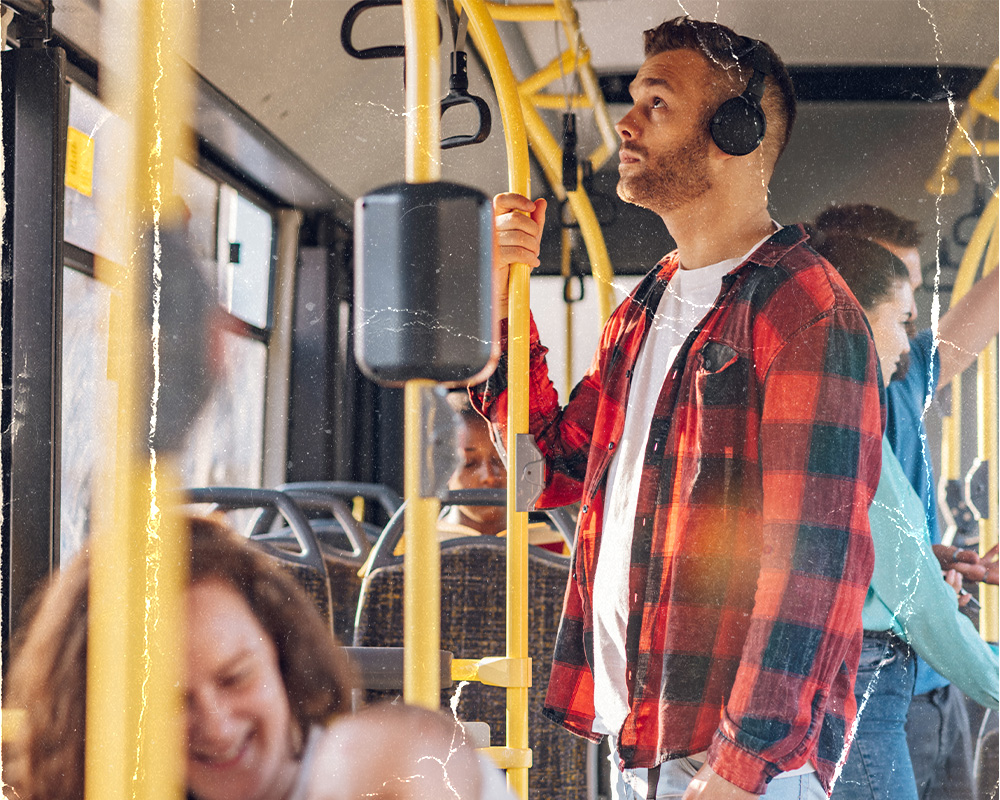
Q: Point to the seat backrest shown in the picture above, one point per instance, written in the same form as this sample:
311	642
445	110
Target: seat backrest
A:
293	545
345	587
384	551
473	624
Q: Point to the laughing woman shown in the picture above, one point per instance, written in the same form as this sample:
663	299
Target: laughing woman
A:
263	674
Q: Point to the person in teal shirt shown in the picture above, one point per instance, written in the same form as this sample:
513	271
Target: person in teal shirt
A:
938	727
908	608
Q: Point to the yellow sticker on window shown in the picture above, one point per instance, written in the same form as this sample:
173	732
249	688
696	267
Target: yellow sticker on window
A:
79	162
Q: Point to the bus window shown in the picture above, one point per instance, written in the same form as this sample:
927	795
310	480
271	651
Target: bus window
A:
226	443
87	397
245	258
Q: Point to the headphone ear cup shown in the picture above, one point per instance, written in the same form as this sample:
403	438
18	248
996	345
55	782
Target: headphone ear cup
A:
738	126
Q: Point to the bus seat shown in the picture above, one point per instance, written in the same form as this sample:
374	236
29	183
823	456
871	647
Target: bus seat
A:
294	546
344	541
473	622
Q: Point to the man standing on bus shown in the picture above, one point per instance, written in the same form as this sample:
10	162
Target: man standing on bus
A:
725	447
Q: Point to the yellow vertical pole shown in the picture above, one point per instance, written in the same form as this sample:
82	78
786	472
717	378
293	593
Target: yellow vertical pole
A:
989	596
422	578
982	250
951	424
987	384
488	41
135	739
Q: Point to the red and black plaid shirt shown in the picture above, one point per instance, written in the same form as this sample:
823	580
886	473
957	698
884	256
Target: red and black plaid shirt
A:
751	552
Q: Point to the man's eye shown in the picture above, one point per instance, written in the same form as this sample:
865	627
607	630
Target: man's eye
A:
657	103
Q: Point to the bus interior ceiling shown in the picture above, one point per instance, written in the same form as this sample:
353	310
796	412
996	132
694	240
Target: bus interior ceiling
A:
872	122
880	87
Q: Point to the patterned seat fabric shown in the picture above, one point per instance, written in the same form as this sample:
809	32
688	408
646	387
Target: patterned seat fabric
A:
345	586
473	598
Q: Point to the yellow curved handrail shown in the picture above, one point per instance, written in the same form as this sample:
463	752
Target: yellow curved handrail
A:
550	157
982	103
980	253
544	144
484	32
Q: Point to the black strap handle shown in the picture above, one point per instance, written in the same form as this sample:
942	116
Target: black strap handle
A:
962	231
347	29
458	95
383	51
568	296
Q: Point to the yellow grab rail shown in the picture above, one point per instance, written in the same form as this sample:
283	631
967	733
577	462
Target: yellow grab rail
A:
591	87
544	144
422	567
987	385
423	115
982	103
550	157
981	252
986	375
523	12
134	742
487	40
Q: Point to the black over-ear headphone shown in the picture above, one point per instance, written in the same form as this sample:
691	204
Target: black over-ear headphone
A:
738	125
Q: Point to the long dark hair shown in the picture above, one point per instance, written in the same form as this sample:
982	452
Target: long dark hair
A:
47	677
869	270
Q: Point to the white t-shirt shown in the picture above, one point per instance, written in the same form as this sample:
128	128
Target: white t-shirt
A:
687	299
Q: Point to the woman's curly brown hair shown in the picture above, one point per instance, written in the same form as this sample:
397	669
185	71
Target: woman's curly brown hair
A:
48	675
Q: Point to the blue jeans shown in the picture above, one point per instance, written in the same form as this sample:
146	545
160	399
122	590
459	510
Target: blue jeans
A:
675	775
878	765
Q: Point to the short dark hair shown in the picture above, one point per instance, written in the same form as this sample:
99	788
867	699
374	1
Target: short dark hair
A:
869	270
48	675
869	222
462	405
725	49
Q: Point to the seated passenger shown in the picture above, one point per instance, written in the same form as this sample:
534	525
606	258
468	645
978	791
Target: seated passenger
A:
908	607
480	467
264	677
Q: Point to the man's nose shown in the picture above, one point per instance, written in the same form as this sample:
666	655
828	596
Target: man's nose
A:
626	126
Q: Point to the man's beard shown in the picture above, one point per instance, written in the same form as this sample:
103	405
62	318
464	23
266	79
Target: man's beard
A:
668	180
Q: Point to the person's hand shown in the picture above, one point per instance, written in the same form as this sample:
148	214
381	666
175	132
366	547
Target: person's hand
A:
954	580
966	562
989	561
518	224
707	785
